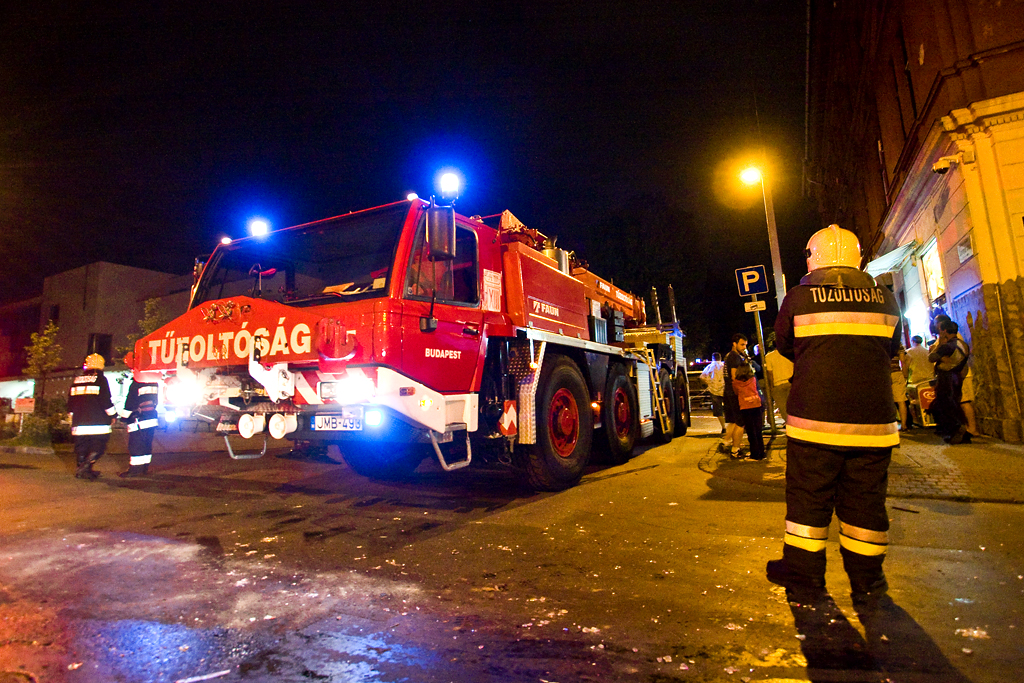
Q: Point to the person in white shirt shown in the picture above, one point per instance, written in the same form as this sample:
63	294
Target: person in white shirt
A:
713	378
779	371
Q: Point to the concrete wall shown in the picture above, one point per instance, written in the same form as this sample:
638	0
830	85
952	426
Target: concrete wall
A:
100	298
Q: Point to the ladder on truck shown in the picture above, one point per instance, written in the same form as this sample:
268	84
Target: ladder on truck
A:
652	368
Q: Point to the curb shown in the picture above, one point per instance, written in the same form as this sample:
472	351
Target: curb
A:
940	479
28	450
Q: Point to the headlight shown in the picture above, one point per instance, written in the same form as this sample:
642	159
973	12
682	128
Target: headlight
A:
182	392
355	387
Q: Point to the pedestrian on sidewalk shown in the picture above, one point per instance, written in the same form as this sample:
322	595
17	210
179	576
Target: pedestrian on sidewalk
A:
950	357
713	377
751	409
91	410
779	372
735	359
841	329
897	370
919	372
140	416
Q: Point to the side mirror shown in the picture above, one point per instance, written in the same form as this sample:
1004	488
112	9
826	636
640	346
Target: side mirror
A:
440	233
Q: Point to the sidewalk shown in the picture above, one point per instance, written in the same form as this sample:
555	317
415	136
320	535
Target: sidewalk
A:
986	470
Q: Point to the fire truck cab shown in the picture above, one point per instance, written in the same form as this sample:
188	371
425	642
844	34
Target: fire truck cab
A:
406	331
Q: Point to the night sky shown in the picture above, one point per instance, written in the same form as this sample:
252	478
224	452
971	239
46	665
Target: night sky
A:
140	135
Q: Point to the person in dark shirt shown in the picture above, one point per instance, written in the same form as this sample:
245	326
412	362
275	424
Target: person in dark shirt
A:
734	360
91	409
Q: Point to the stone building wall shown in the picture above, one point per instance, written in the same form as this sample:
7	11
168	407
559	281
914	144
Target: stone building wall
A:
997	354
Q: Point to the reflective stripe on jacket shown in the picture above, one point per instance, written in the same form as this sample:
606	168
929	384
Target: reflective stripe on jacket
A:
841	329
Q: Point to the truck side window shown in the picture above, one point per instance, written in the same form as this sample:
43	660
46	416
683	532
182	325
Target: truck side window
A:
455	281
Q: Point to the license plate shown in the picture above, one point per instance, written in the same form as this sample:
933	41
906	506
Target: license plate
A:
351	420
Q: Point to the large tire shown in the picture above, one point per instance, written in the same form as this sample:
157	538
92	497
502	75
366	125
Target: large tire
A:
682	404
565	429
387	461
620	414
668	387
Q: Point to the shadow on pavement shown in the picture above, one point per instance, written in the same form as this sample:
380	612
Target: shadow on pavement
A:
895	648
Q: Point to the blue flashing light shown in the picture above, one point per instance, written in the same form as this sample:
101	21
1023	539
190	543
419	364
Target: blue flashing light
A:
374	418
258	227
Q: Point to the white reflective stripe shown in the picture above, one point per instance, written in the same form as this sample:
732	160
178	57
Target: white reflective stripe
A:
90	430
124	413
111	411
85	391
806	531
140	459
143	424
149	390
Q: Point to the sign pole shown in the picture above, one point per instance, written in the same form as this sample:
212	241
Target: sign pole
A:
767	385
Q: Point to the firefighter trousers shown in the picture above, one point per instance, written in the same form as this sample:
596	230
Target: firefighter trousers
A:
89	448
820	481
140	446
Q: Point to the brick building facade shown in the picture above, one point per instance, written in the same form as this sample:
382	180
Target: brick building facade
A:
916	142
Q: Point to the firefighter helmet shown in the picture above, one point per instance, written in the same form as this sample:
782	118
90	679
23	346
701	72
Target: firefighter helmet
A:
832	246
94	361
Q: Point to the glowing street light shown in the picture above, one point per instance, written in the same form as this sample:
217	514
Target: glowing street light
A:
225	240
750	176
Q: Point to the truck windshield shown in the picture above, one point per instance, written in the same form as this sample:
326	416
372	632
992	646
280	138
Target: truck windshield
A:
345	259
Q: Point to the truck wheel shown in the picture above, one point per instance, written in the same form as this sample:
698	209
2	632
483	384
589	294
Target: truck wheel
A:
620	414
565	429
682	403
388	461
668	388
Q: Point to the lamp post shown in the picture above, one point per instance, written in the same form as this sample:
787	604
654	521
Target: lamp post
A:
750	176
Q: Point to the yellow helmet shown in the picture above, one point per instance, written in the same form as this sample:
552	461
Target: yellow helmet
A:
832	246
94	361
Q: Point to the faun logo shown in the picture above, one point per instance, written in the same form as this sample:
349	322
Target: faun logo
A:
546	309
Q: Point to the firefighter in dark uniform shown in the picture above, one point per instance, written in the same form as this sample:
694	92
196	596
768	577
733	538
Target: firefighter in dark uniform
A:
140	416
841	329
91	411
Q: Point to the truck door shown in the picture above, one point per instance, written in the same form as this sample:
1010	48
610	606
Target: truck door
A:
446	358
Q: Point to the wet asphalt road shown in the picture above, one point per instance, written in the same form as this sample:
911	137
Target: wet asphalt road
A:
286	569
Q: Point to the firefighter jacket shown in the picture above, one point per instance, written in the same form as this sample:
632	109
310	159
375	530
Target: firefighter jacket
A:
90	405
841	329
139	410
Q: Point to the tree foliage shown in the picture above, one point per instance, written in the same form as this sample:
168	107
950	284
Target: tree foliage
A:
43	352
153	317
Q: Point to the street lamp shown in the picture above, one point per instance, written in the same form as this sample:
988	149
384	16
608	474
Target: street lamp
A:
750	176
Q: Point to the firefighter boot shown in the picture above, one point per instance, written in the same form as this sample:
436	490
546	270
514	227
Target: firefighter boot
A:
133	471
800	571
88	472
868	586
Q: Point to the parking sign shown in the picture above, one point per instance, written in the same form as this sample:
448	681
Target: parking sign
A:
751	280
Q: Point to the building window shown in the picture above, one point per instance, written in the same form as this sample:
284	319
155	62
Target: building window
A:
101	344
55	313
932	265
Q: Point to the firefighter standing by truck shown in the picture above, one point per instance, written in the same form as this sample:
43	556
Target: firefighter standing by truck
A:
841	328
91	410
140	416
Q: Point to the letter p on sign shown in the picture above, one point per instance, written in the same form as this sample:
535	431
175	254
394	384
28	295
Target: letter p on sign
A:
751	280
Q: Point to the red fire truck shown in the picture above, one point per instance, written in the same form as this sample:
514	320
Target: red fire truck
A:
409	331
